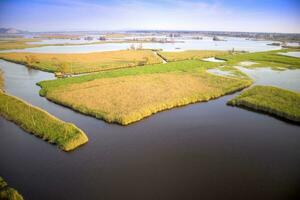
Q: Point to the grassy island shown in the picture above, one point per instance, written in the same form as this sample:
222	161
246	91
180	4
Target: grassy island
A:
127	95
272	100
190	54
8	193
83	63
40	123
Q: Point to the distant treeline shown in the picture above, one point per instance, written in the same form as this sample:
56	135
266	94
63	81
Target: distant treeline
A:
284	37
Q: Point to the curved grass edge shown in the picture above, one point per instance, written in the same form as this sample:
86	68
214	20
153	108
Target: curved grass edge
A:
41	123
7	192
1	80
170	56
258	99
146	112
27	65
74	73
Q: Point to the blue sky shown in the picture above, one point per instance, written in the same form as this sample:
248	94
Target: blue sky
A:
223	15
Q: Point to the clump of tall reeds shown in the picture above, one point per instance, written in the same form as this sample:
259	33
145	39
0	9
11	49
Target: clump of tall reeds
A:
272	100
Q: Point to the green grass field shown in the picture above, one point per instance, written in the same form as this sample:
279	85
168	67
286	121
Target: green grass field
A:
83	63
40	123
180	66
272	100
141	91
8	193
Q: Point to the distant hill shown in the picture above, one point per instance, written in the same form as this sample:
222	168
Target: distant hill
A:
11	31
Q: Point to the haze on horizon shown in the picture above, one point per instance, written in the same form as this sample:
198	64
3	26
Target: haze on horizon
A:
215	15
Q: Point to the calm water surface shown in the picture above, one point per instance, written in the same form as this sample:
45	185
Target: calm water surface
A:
213	59
287	79
187	44
292	54
201	151
220	72
64	41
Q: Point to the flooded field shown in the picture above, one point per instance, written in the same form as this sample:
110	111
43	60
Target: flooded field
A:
205	150
293	54
287	79
238	44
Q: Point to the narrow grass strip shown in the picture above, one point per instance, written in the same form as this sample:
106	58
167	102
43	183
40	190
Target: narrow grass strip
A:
190	54
272	100
40	123
1	80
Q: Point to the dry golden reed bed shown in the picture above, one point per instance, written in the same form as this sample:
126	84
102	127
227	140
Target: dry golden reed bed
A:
128	99
191	54
83	63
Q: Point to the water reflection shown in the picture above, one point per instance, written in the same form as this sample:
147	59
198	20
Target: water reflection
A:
287	79
213	59
238	44
292	54
220	72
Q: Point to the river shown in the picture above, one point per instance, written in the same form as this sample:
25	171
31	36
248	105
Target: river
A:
200	151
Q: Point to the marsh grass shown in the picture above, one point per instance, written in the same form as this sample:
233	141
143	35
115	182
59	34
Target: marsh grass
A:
8	193
180	66
1	80
272	100
84	63
264	59
190	55
128	95
233	71
40	123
